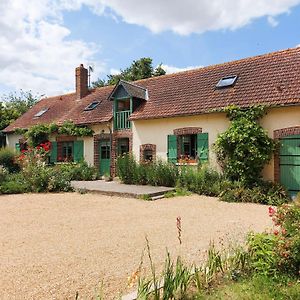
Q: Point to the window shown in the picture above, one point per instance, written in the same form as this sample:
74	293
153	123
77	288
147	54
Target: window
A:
123	105
147	153
123	146
226	81
188	148
41	112
105	150
65	151
92	105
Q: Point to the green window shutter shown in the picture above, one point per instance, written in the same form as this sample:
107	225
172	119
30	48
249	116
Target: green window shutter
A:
53	152
17	147
172	148
202	147
78	151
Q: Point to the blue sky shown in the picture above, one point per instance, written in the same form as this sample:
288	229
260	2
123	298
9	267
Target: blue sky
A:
50	38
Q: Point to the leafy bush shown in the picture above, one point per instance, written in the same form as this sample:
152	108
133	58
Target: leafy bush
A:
127	168
244	148
79	171
203	181
265	193
3	174
287	220
14	183
58	181
159	173
263	258
8	160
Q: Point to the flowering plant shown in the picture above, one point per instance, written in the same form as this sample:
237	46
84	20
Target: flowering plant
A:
35	155
287	221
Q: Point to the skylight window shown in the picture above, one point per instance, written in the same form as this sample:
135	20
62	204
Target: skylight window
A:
41	112
227	81
92	105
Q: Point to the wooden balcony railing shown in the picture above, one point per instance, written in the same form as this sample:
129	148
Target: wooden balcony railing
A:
121	120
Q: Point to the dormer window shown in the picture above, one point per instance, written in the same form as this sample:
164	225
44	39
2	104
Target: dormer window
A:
92	105
227	81
41	112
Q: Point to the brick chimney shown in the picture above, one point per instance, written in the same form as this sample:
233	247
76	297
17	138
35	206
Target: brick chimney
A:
81	79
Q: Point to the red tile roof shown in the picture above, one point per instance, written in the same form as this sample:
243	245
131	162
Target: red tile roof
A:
272	79
66	107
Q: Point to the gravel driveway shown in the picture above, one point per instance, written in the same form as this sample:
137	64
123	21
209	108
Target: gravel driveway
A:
52	245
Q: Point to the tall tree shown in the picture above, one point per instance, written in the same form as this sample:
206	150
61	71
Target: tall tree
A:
12	106
139	69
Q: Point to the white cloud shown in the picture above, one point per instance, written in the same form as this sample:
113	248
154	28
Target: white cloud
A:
172	69
272	21
114	71
194	16
36	52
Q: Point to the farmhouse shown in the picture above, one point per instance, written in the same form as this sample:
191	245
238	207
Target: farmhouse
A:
177	116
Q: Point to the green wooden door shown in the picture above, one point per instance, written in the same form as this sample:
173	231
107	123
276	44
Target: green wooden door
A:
290	163
104	154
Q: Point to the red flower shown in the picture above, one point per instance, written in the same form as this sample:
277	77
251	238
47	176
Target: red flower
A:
276	232
272	211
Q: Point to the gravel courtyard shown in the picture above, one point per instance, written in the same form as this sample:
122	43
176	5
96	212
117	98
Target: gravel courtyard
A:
53	245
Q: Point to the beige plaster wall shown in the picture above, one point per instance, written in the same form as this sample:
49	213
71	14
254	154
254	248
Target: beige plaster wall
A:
12	139
156	131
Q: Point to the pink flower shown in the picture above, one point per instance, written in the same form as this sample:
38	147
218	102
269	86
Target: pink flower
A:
276	232
272	211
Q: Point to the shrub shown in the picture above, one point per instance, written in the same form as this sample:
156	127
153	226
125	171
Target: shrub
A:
14	183
127	168
203	181
58	181
79	171
3	174
287	218
265	193
159	173
263	258
8	160
162	173
244	148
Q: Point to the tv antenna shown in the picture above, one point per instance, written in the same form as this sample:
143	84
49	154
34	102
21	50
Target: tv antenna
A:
91	68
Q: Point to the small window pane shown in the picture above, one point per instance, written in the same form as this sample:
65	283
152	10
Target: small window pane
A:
189	146
148	155
92	105
123	146
67	151
227	81
41	112
105	153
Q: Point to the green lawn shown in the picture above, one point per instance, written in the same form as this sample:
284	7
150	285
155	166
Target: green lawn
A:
259	288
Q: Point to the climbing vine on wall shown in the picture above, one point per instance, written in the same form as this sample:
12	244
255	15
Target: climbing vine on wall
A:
245	147
40	133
